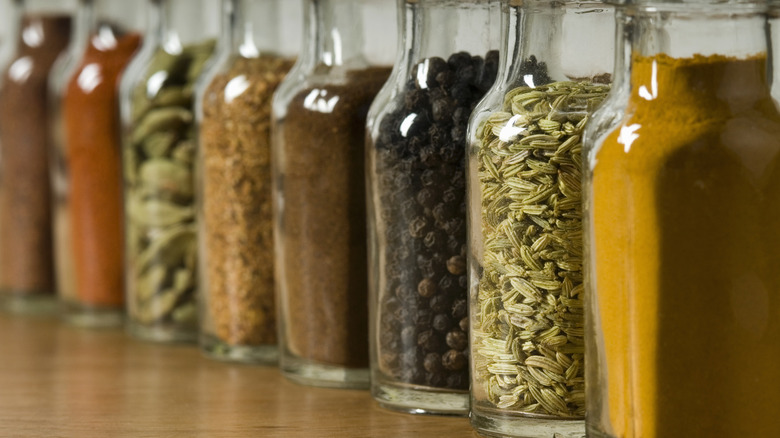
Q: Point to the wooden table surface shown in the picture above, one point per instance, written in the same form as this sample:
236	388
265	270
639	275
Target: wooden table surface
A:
61	381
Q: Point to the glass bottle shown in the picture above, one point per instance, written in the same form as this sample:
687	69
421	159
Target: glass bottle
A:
235	228
319	115
86	164
525	216
681	242
158	145
417	208
9	22
27	276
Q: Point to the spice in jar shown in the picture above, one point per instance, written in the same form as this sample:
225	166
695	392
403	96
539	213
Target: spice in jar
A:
159	160
26	248
322	221
421	187
90	107
236	201
529	324
684	199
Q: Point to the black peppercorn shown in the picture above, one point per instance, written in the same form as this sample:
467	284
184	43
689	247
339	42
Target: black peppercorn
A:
421	183
440	303
457	340
442	323
456	265
426	288
433	363
418	227
459	309
454	360
428	340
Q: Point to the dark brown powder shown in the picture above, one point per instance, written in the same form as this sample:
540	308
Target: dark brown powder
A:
323	222
26	262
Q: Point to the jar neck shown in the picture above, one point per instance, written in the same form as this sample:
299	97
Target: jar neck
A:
553	41
256	27
333	32
681	30
176	24
685	53
441	28
36	7
110	18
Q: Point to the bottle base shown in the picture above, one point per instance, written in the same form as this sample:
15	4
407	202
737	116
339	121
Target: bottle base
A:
214	348
79	315
306	372
29	304
414	399
521	426
162	333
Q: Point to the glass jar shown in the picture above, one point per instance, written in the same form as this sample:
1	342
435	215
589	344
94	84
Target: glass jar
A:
681	242
417	204
235	219
27	276
86	167
319	115
158	163
9	22
525	215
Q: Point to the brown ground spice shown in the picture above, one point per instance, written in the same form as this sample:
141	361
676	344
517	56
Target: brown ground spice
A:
237	207
26	260
323	226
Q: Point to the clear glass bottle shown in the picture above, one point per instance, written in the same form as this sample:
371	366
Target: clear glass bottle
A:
680	237
27	275
319	115
158	151
60	75
235	219
86	170
417	204
525	216
9	22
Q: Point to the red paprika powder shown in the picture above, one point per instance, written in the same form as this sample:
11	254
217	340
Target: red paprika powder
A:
92	142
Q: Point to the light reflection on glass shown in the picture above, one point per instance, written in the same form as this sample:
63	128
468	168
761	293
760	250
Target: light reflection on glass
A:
21	69
628	135
318	101
155	83
90	77
510	132
32	35
407	123
104	40
651	95
422	74
235	88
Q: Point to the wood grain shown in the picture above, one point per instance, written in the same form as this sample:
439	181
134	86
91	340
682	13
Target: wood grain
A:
60	381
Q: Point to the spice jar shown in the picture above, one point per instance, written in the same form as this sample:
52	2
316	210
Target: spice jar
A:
27	277
234	181
86	167
319	115
9	22
525	257
681	239
417	204
158	167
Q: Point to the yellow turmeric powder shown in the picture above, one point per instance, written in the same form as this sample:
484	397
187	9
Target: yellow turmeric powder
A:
685	209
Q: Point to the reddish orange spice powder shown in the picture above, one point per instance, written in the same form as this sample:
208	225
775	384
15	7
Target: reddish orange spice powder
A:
92	138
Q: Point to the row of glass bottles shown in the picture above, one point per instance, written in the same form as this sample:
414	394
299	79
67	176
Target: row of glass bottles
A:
522	268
